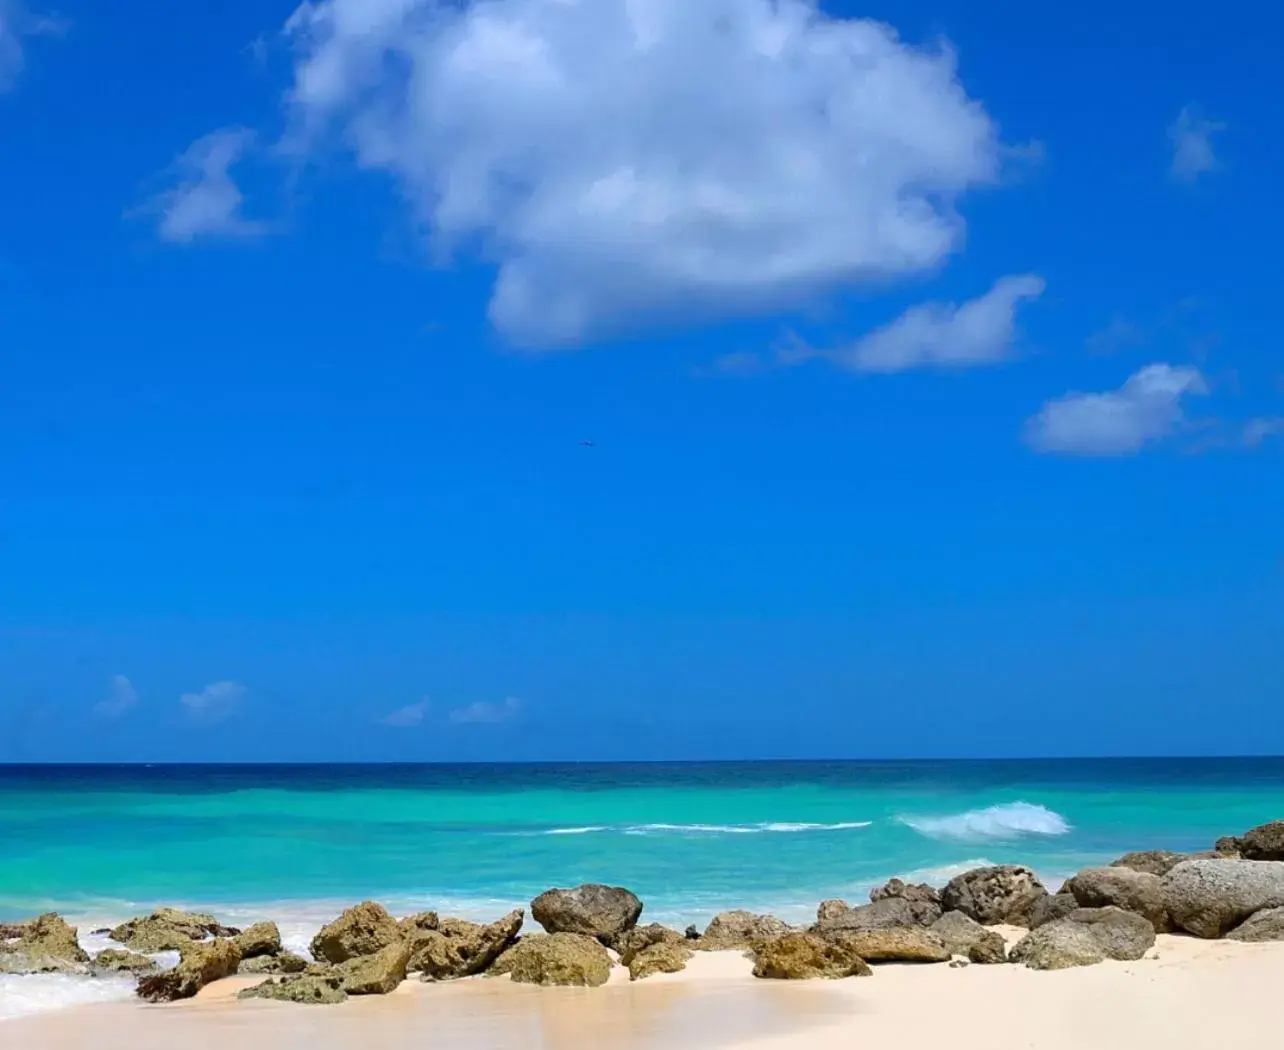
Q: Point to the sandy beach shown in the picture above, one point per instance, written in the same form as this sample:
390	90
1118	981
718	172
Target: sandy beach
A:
1187	994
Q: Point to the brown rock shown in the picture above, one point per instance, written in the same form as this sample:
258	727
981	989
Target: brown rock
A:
593	910
967	937
461	949
44	945
804	956
1228	846
831	910
113	960
364	929
199	965
310	990
263	938
885	914
924	901
731	930
901	944
1005	893
560	959
1050	908
1058	945
1122	887
169	929
376	974
1151	862
1123	935
660	957
424	920
640	938
282	962
1265	842
1265	925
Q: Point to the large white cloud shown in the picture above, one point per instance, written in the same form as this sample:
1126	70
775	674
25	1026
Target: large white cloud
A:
628	161
1147	408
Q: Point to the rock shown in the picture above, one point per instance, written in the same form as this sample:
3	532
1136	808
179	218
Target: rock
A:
886	914
958	964
803	956
730	930
199	964
924	901
692	932
424	920
560	958
1228	846
376	974
364	929
263	938
11	931
594	910
310	990
280	963
1265	842
1122	887
1005	893
169	929
660	957
831	910
46	944
1049	909
1151	861
112	960
1123	935
1058	945
967	937
1265	925
462	949
503	965
641	938
901	944
1211	897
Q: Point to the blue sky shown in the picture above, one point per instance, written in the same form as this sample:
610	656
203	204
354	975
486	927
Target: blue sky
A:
928	354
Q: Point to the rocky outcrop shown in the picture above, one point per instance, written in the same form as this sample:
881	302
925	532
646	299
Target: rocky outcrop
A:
1265	842
923	901
1209	898
1049	909
1058	945
1005	893
263	938
901	944
376	974
364	929
640	938
113	960
282	962
1123	935
967	937
1122	887
461	949
46	944
804	956
886	914
199	964
830	910
559	959
1228	846
169	929
661	957
740	929
1265	925
1150	862
419	923
593	910
308	989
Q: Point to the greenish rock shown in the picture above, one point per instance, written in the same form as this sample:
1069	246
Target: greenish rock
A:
462	949
899	944
560	959
307	990
1150	862
641	938
169	929
282	963
739	929
199	965
263	938
376	974
46	944
364	929
666	956
113	960
806	956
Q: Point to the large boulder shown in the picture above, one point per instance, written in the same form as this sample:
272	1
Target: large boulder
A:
593	910
1265	842
559	959
364	929
169	929
804	956
263	938
967	937
1211	897
741	929
46	944
1151	861
900	944
199	964
661	957
640	938
308	989
1049	909
888	913
1122	887
461	949
113	961
1265	925
924	902
1058	945
1123	935
1228	846
282	962
376	974
1004	893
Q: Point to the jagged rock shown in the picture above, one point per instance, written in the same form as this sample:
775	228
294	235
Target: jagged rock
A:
1151	861
376	974
1228	846
803	956
364	929
967	937
1004	893
1123	935
11	931
659	957
112	960
901	944
1058	945
199	964
924	901
1265	925
311	990
594	910
46	944
831	910
263	938
460	949
281	963
1211	897
560	958
886	914
424	920
737	929
1265	842
503	965
169	929
641	938
1122	887
1050	908
692	932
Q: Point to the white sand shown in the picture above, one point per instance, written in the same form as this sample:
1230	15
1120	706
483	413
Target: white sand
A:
1191	995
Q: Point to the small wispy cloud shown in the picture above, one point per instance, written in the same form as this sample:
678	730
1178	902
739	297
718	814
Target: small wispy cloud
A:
215	702
1261	429
17	23
485	713
1191	136
407	717
122	697
204	200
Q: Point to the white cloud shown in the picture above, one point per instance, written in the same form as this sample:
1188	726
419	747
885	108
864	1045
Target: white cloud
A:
17	23
1192	141
487	713
1260	429
626	162
204	200
1147	408
217	700
946	335
122	697
407	717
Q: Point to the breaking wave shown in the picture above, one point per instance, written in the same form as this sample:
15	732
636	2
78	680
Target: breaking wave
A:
1007	821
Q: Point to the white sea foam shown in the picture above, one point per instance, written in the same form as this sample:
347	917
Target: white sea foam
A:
766	827
1007	821
40	993
591	829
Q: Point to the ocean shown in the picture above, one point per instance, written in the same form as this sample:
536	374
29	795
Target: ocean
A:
299	843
